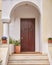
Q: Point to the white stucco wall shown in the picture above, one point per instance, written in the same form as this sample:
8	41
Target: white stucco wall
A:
24	11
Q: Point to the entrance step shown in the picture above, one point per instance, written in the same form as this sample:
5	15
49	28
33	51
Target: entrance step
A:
28	59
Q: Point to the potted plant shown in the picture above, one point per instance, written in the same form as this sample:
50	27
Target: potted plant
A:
17	46
11	46
49	40
4	40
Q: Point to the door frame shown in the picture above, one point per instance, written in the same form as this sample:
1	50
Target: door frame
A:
34	31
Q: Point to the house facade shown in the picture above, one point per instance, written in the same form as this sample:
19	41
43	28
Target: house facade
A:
31	9
30	22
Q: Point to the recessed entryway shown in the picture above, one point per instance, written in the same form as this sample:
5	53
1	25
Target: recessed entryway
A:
27	35
20	13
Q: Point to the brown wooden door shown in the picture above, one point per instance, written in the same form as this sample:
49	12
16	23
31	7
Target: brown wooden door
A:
27	35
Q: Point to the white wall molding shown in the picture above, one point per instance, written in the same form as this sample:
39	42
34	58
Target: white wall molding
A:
12	3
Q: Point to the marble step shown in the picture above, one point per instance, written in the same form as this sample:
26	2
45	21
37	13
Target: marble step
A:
28	56
28	62
28	59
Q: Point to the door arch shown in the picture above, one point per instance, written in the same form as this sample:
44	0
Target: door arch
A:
37	24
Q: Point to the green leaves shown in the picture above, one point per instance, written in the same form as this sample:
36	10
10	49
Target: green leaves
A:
11	41
49	38
15	42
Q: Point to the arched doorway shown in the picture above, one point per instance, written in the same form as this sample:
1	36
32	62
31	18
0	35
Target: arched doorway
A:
25	10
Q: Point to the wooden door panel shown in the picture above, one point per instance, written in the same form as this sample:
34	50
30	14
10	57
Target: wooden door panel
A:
27	35
32	35
24	35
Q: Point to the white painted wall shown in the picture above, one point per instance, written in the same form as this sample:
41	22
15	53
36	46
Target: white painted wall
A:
24	11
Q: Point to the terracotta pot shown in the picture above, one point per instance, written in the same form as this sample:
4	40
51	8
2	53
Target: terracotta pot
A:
17	49
49	41
4	41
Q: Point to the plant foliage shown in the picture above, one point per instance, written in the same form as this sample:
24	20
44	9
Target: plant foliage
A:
17	43
50	38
